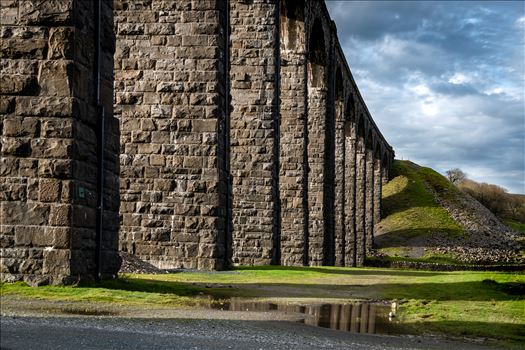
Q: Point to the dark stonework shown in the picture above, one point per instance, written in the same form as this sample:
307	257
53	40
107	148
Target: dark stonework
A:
253	130
170	97
49	126
239	137
293	136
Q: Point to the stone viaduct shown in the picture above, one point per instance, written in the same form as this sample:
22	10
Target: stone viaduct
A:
191	133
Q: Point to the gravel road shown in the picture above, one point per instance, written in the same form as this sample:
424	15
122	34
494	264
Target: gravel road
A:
82	333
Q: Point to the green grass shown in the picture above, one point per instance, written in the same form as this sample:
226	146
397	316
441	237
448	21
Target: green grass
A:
488	304
410	210
516	225
131	291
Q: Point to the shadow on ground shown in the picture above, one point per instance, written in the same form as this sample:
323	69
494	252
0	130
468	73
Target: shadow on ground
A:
486	290
342	271
422	236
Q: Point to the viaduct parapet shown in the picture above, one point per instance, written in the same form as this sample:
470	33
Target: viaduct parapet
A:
219	132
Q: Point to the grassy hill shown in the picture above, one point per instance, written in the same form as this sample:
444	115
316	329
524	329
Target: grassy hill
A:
426	218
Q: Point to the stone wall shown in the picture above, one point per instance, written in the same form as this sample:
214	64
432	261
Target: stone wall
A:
290	185
170	98
241	138
50	124
254	131
293	186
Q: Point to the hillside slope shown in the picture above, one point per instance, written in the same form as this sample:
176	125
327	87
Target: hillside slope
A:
427	218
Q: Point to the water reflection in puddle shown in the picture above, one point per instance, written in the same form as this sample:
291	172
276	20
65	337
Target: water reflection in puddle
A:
367	318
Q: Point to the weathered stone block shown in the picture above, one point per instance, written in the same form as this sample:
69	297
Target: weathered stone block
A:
61	44
61	237
192	162
13	191
7	104
201	125
157	160
49	190
45	106
57	128
16	48
19	127
46	12
84	216
56	262
51	148
9	14
23	213
18	84
16	147
60	215
54	77
32	236
57	168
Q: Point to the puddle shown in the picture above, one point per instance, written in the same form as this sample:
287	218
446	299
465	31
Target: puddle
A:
366	318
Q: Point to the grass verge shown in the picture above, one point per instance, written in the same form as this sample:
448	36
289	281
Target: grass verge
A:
124	291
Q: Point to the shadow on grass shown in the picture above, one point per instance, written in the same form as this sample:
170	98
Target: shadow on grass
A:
414	195
402	238
340	271
469	291
147	286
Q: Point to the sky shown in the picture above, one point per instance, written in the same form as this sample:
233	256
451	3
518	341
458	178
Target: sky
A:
444	81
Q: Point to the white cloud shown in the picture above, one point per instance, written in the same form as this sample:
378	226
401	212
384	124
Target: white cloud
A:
472	20
459	78
494	91
421	90
429	108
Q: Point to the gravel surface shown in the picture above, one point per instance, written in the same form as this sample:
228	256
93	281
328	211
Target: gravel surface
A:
133	264
81	333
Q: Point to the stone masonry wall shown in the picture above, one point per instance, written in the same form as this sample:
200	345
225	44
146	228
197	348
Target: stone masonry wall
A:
293	135
170	93
370	189
350	209
340	179
239	137
360	203
253	131
267	152
49	128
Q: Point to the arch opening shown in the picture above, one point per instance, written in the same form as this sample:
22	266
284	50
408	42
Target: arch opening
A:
317	55
292	24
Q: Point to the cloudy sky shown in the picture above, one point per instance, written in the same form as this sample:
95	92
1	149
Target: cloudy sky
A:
444	81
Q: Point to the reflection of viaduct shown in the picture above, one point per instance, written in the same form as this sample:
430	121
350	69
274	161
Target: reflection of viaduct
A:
356	318
243	137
